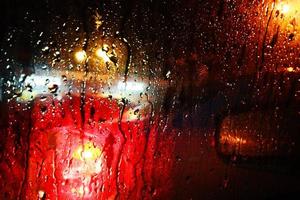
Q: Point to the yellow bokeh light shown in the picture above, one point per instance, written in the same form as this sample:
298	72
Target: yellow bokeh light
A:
80	56
102	54
290	69
27	96
285	8
80	191
87	152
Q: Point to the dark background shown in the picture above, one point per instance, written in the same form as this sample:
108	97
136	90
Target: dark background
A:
188	38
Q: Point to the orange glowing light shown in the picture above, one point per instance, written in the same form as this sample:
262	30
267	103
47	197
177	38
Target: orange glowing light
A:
41	194
87	152
233	139
80	191
285	8
290	69
87	162
80	56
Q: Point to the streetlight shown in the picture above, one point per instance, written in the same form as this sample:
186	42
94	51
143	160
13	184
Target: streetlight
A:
80	56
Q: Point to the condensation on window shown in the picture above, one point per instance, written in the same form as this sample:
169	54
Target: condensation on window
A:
149	99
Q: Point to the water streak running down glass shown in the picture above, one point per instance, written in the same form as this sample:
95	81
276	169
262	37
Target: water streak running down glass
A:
128	99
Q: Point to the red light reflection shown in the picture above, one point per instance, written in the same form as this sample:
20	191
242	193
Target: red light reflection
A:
100	156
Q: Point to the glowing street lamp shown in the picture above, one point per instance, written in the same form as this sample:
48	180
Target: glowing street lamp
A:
290	69
80	56
285	8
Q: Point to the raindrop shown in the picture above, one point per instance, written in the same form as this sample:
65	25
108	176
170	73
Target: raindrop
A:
44	66
28	88
105	48
53	88
114	59
291	37
45	50
47	81
56	53
168	74
107	66
43	109
18	92
43	98
22	78
64	78
136	111
178	158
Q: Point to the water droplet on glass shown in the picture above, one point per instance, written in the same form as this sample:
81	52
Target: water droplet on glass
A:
43	98
56	53
136	111
105	48
44	66
18	92
43	109
168	74
64	78
41	194
47	81
45	49
28	87
22	78
53	88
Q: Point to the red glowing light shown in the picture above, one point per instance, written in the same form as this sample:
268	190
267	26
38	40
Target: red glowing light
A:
100	156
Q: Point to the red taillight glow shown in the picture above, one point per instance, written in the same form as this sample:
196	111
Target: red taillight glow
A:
100	156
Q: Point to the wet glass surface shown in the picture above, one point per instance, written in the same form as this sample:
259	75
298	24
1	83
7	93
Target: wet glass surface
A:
149	99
